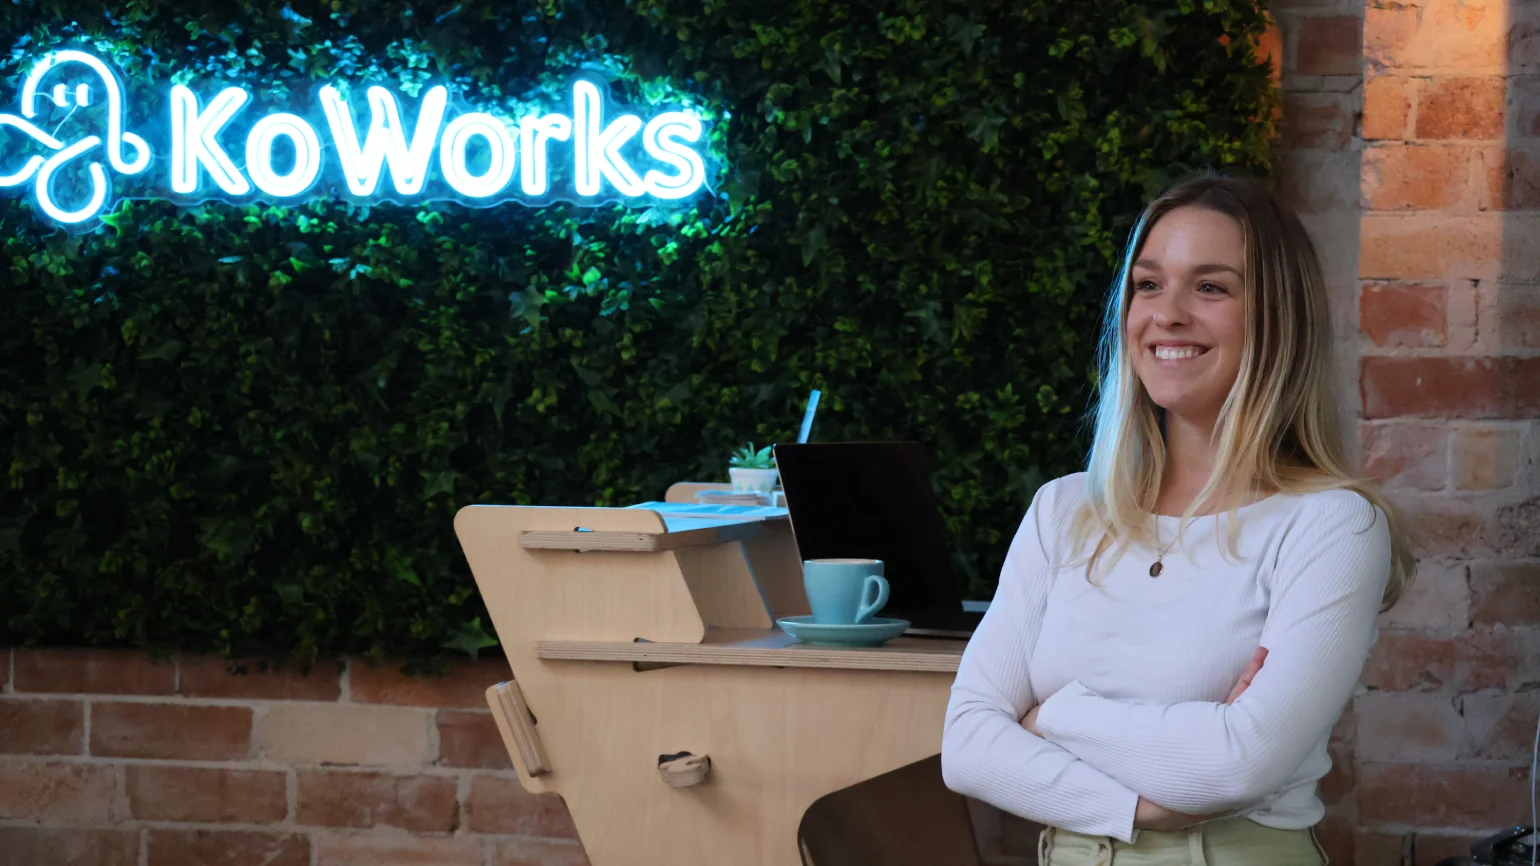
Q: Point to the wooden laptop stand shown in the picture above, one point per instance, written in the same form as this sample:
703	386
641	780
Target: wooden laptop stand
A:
654	693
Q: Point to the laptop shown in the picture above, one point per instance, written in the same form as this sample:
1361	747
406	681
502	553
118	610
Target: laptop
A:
874	500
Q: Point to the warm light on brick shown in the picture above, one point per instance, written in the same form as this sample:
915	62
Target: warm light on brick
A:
1387	105
1461	108
1439	34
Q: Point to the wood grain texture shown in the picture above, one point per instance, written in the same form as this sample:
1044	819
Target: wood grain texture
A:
717	532
767	648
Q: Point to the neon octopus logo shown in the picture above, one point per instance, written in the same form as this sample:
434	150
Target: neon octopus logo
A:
478	154
41	170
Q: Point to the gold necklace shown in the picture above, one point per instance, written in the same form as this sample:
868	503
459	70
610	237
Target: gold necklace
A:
1157	567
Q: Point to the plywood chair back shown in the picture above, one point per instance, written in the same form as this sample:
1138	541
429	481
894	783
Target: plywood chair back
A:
533	594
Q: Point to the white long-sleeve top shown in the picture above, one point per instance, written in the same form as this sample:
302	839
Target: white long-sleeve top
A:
1132	672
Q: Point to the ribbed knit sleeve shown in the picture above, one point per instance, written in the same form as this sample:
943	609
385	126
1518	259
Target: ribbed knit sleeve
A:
985	753
1196	757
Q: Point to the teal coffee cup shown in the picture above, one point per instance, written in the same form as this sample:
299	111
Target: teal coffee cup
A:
844	591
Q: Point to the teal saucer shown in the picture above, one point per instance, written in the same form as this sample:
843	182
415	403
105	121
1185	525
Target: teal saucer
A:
878	631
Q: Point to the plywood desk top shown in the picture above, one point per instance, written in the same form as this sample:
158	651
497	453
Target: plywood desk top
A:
765	648
680	532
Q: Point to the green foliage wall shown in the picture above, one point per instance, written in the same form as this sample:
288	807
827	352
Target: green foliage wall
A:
247	429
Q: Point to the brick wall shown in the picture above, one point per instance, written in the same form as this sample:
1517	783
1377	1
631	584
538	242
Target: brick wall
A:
1411	137
110	759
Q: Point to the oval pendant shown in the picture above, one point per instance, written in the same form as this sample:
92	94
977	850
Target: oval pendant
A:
1156	569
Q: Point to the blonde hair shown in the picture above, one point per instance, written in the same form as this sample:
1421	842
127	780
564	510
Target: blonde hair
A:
1278	429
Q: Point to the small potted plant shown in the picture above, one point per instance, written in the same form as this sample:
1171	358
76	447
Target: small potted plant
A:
753	471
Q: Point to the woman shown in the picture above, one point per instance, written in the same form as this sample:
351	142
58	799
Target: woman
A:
1177	629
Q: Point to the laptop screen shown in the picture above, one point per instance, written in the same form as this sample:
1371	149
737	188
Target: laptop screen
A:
872	500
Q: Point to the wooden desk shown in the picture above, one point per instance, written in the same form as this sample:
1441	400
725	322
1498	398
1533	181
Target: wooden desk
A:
765	648
631	643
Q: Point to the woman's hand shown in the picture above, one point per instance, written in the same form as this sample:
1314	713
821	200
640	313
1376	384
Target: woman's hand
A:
1251	671
1029	721
1150	816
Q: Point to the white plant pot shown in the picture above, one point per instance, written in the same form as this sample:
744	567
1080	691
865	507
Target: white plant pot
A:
753	480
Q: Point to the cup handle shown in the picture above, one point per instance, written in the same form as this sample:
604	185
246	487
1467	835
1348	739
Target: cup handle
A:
869	608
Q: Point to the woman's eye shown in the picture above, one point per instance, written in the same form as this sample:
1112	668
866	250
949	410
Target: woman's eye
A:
1145	286
1212	287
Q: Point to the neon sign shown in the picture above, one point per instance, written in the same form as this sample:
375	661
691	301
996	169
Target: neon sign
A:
216	149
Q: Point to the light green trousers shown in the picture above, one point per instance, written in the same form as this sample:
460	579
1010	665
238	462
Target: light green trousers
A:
1226	842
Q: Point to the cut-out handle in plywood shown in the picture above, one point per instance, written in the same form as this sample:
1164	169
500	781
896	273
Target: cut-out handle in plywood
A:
511	705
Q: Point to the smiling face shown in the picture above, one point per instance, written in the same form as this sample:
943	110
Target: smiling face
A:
1186	324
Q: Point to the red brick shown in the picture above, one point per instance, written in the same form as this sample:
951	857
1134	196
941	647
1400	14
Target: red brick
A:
372	850
1525	95
1451	387
93	671
1433	848
1460	34
1516	530
1523	37
1329	45
1485	459
1316	120
1378	849
538	852
499	804
1451	528
307	734
57	791
1486	658
1501	726
1416	176
1521	256
1406	456
1442	795
1410	316
463	686
1506	593
206	795
227	848
1519	316
1461	108
41	727
1510	179
213	677
1334	833
1402	661
342	799
1437	599
73	846
1386	107
1311	181
195	733
1414	727
1431	247
471	739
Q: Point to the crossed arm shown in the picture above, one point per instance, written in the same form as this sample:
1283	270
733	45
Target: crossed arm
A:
1097	765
